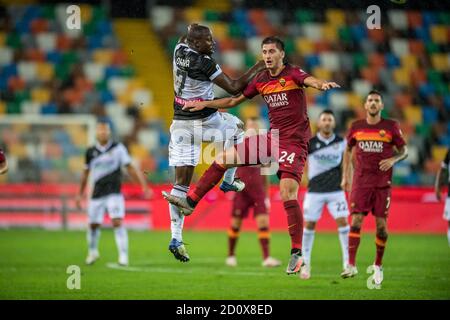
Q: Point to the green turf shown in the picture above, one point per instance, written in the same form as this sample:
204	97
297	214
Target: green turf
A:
33	265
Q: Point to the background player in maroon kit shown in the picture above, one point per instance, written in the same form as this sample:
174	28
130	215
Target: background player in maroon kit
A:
255	196
3	163
281	86
374	139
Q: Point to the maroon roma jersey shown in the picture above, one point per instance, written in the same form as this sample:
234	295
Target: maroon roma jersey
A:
373	143
286	101
255	183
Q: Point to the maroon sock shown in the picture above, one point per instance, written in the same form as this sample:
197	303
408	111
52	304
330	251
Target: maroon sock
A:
354	237
295	222
233	236
264	239
207	181
380	242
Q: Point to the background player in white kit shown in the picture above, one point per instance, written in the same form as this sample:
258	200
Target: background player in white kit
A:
105	161
324	173
195	72
442	175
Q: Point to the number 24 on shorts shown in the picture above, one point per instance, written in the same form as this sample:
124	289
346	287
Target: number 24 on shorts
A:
289	158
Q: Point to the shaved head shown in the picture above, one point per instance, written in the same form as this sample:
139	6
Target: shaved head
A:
199	38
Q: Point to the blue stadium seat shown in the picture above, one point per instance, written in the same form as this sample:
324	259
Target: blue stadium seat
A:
429	114
392	60
429	18
426	89
422	33
54	57
49	108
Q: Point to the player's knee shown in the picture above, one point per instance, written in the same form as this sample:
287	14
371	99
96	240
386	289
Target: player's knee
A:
94	226
288	194
262	220
382	233
310	225
355	229
116	223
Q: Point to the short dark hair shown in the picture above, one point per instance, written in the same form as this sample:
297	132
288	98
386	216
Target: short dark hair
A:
195	32
272	39
327	111
374	92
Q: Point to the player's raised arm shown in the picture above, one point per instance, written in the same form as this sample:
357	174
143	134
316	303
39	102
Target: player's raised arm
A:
224	103
320	84
83	184
237	86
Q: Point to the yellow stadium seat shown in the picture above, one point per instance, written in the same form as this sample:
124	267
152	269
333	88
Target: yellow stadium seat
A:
125	98
321	73
136	83
2	38
138	151
330	32
402	76
304	46
149	112
413	114
439	61
18	149
40	95
86	13
45	71
76	163
409	62
249	110
103	56
2	107
438	152
219	30
193	14
354	101
335	17
439	34
78	137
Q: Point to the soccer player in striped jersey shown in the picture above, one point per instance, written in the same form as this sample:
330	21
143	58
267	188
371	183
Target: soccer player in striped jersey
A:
441	176
325	154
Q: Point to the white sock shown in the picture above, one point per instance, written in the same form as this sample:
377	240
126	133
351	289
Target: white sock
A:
228	177
177	219
308	240
343	239
448	235
121	235
93	235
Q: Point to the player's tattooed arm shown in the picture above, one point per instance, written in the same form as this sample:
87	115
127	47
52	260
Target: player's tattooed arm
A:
236	86
83	184
347	169
318	84
388	163
441	178
223	103
137	177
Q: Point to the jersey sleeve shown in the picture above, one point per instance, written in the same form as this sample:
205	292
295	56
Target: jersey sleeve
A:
210	68
87	159
250	90
125	158
397	136
445	164
299	76
351	141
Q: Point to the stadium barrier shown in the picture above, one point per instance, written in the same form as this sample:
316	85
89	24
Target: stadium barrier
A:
413	209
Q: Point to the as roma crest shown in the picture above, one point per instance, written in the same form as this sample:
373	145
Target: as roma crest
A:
382	133
282	81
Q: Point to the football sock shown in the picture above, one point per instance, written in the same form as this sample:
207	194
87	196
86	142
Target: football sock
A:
121	235
295	222
380	243
93	236
343	239
354	238
177	219
207	181
264	239
233	236
308	240
448	235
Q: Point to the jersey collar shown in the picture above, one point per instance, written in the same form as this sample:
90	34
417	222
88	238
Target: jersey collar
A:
103	148
326	141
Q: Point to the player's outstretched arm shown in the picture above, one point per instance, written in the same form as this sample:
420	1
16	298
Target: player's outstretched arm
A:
138	177
83	184
236	86
320	84
388	163
224	103
347	170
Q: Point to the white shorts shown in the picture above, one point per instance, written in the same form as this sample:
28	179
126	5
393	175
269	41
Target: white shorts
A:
186	137
314	202
447	209
113	203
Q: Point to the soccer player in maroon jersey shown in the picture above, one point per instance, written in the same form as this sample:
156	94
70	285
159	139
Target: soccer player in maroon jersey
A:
281	86
374	139
3	163
255	196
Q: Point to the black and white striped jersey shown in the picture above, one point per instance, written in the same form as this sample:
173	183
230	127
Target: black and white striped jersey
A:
193	74
324	163
446	165
105	165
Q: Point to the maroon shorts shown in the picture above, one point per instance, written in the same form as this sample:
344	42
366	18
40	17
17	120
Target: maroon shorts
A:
375	200
291	156
243	202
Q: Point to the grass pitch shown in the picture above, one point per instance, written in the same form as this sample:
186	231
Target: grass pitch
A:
33	265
